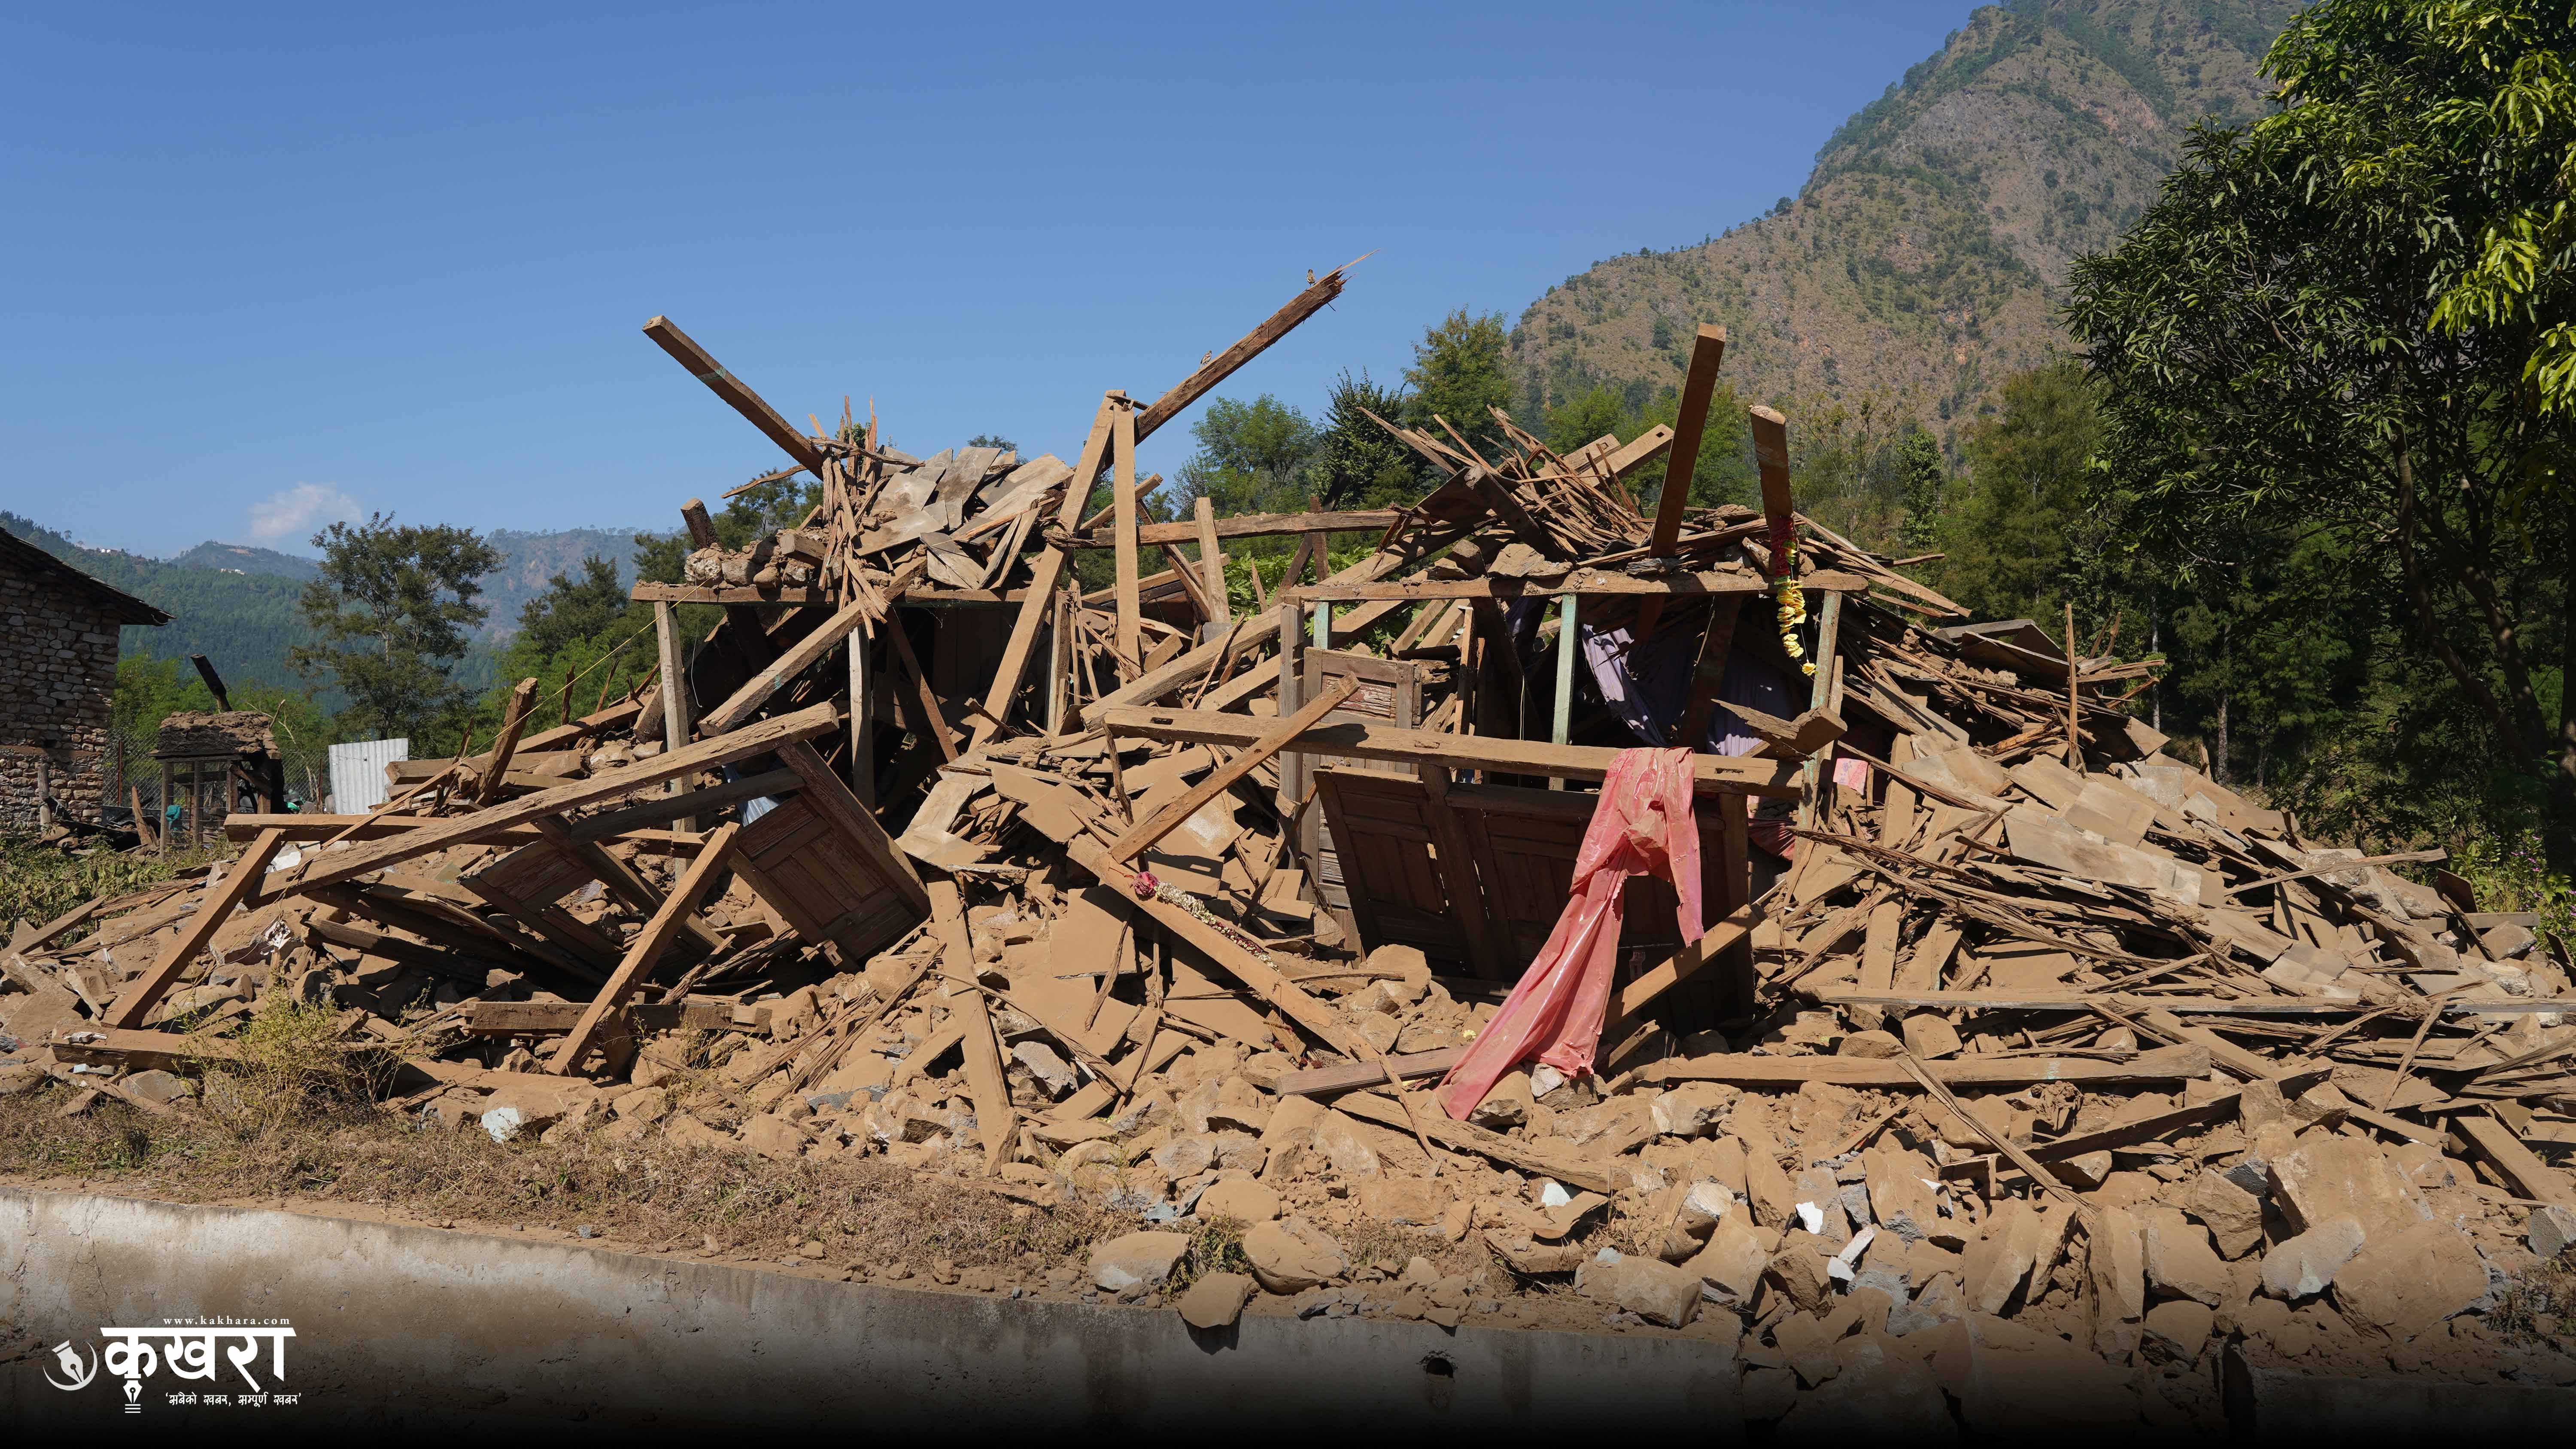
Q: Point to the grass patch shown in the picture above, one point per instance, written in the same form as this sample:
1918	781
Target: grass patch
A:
650	1193
38	882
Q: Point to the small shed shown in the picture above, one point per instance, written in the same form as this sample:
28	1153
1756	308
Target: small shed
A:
57	685
232	751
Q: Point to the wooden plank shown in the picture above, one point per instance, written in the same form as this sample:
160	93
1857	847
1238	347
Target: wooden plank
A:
523	697
2257	1006
1212	562
1233	959
1250	525
1878	947
2166	1064
995	1118
1771	463
1131	609
1707	350
545	1018
1222	366
1713	943
1431	1121
630	818
2162	1023
1164	821
2517	1164
646	948
1044	576
1364	741
1320	1081
832	800
142	1049
736	394
1639	451
241	878
2153	1127
741	744
1708	675
1582	581
801	656
1456	858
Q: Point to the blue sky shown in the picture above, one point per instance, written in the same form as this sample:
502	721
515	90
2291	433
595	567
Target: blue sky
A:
263	265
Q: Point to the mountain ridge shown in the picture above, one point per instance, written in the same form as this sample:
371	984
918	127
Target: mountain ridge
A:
1922	261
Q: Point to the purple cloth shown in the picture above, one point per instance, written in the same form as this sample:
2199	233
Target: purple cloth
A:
1650	687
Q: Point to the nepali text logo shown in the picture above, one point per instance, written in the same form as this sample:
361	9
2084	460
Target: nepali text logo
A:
189	1348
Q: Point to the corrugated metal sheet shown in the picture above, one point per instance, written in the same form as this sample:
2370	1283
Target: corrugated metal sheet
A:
358	773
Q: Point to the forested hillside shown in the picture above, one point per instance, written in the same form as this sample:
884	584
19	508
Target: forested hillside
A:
1924	260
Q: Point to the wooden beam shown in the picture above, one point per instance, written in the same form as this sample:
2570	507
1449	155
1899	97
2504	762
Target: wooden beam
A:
2255	1006
832	800
360	827
643	814
2516	1163
736	394
1721	583
1368	741
1251	525
647	948
2166	1064
1212	561
1320	1081
523	698
1144	833
1713	943
1638	452
996	1120
741	744
1716	645
1217	947
1708	349
1771	461
1436	1124
546	1018
1217	369
1131	611
243	876
2151	1128
801	656
1045	574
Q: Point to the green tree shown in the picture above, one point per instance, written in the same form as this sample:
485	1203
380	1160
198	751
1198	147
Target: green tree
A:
1356	463
1720	474
1458	373
391	609
1585	416
2015	533
2321	325
1252	458
992	440
1927	482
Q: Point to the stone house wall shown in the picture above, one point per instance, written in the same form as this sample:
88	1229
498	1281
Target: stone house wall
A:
57	683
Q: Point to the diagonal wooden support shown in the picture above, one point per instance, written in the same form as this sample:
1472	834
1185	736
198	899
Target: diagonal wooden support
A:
1044	576
239	880
747	700
735	392
1131	608
1164	821
995	1119
522	699
647	947
1707	351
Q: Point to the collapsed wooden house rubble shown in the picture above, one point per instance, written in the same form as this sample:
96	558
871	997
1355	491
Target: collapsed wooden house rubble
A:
2016	1059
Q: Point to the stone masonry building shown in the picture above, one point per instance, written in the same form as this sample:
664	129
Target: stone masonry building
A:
58	637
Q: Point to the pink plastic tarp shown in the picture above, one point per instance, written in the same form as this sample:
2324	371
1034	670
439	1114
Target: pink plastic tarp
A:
1642	826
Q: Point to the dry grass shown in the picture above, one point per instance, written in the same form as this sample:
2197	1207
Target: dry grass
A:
650	1193
38	882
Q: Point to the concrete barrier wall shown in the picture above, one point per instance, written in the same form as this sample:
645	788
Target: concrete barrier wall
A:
410	1329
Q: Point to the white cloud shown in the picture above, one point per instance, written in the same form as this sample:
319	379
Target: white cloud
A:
292	514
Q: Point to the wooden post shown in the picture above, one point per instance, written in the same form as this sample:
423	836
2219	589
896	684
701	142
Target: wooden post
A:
523	698
863	718
1324	625
1043	578
240	878
1562	723
1059	662
675	691
2074	733
1131	609
1292	766
1829	620
1707	350
1212	571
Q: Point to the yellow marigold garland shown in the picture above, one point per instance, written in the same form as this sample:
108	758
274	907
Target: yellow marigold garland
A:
1791	601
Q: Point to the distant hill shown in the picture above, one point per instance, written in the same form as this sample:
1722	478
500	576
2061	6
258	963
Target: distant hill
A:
241	558
1923	260
530	559
243	621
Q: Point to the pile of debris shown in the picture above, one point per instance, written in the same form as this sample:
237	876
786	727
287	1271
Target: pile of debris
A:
2018	1062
